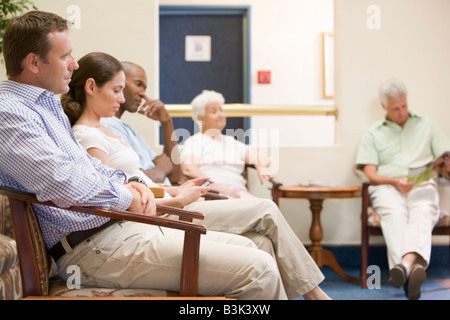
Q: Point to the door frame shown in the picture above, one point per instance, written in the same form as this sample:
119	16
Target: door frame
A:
244	12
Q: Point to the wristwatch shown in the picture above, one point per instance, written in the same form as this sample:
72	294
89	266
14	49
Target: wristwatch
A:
137	179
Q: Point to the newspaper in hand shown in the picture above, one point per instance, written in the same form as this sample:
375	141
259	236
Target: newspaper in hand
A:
424	173
421	174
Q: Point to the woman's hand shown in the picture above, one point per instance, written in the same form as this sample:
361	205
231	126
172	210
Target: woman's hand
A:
188	192
261	163
264	173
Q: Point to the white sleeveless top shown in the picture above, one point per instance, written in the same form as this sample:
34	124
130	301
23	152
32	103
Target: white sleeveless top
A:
223	161
121	156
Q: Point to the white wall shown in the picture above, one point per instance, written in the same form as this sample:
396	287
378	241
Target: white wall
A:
126	30
293	32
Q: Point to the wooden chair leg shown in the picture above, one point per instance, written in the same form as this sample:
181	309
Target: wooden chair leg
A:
364	257
364	236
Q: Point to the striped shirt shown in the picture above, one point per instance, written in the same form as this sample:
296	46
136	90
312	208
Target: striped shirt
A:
39	154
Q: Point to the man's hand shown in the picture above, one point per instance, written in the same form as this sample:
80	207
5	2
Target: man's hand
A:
163	162
154	109
442	165
163	167
143	199
403	185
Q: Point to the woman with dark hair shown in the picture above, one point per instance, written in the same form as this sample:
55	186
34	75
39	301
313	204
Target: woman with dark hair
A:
96	70
96	91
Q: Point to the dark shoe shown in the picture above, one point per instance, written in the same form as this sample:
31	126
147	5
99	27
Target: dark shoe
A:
397	275
416	279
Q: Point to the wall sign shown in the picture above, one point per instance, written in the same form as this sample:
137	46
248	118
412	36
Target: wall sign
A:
198	48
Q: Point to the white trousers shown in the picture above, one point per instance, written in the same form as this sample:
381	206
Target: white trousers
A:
407	220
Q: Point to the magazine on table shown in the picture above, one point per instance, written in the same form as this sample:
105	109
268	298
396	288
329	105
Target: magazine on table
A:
425	172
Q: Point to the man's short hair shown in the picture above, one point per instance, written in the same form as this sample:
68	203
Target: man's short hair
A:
392	88
28	33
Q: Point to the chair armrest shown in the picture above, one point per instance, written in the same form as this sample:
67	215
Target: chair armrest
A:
183	215
275	184
214	195
122	215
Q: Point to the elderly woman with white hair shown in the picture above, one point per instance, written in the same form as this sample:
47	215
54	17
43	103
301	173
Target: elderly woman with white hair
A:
222	158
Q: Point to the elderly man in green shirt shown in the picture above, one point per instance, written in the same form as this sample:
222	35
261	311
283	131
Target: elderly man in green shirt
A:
408	211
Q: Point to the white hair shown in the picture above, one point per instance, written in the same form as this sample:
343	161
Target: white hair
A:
392	88
202	100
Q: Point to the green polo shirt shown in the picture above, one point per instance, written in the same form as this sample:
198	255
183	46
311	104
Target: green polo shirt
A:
393	149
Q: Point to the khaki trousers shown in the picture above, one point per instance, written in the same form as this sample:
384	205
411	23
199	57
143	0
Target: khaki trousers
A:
262	221
407	220
133	255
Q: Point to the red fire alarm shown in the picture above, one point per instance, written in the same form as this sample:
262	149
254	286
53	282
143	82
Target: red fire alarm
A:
264	77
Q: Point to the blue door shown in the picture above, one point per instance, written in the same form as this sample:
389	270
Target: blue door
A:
226	71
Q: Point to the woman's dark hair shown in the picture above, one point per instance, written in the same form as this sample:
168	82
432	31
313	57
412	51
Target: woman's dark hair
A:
99	66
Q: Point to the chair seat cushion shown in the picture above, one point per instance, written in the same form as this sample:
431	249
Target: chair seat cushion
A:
10	280
58	288
373	219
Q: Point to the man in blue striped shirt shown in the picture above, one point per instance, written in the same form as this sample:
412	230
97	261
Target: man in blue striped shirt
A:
39	154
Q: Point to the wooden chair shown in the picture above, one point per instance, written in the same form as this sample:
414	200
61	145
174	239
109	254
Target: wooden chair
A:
34	260
370	226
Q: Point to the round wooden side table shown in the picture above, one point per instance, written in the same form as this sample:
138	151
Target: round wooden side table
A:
316	197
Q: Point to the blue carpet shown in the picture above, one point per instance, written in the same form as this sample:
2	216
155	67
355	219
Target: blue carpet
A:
436	287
